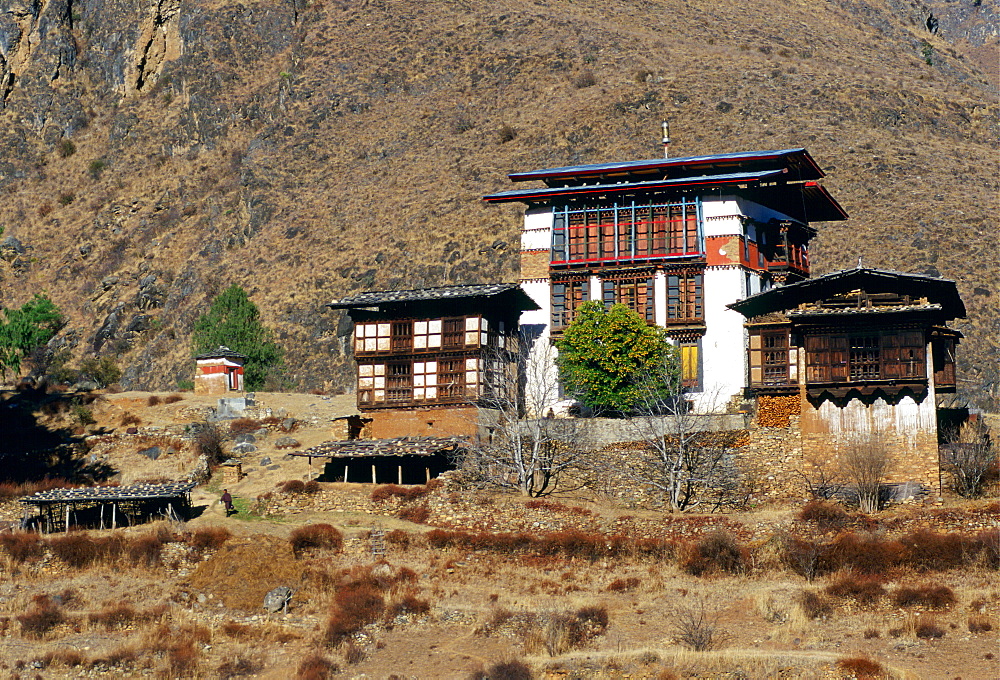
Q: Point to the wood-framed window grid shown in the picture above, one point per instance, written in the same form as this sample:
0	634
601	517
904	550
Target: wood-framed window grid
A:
623	231
399	382
567	295
633	290
685	296
865	356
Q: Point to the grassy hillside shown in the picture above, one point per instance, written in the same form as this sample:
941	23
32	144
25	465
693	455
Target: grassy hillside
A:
307	151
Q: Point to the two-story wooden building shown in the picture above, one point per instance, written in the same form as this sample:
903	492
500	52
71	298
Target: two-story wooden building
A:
428	359
675	239
853	354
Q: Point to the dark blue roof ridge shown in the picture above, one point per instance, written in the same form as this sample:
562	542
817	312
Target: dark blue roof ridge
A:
460	291
784	297
596	168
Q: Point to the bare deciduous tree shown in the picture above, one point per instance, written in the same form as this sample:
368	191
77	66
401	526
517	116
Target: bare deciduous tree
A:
683	458
968	455
697	628
866	462
530	454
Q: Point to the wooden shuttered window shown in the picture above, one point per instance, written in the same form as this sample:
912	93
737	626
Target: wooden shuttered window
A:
685	297
690	364
860	357
944	361
634	293
567	296
770	358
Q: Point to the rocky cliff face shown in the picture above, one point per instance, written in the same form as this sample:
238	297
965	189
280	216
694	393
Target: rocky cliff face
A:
155	152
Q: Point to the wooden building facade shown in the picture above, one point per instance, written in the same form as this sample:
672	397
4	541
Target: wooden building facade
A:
856	354
674	239
427	359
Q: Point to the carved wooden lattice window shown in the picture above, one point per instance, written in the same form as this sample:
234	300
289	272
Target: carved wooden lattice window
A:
453	333
634	293
399	382
451	378
402	336
567	296
685	300
860	357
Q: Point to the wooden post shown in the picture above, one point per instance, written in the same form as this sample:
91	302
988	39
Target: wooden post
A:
373	473
114	515
102	515
345	472
400	475
66	528
427	471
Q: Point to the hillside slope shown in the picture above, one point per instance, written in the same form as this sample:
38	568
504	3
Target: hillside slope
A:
154	153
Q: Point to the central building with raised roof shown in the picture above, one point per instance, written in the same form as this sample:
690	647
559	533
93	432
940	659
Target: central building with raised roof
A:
676	240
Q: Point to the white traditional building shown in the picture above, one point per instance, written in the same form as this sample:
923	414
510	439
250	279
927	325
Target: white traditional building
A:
675	239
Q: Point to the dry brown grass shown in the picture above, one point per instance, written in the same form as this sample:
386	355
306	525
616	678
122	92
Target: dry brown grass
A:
315	536
242	571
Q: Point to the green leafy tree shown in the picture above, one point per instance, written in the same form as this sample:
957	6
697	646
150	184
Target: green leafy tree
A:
612	360
234	321
26	329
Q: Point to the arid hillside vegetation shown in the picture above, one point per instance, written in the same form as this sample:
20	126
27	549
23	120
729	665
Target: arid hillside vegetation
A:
154	154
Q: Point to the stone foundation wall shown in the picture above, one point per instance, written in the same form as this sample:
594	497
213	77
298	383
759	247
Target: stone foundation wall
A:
429	422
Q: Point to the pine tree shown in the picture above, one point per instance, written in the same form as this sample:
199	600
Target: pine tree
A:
233	320
610	359
25	329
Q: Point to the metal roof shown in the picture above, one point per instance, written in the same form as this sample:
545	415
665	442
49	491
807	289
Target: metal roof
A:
941	293
487	290
628	187
222	352
798	161
109	493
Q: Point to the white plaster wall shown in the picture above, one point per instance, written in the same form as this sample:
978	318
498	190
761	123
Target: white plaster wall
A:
541	390
906	419
537	231
724	344
660	298
722	216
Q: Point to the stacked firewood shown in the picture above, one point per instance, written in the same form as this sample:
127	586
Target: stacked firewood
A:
775	410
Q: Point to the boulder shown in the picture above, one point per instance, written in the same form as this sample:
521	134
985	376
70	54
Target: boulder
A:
286	443
277	599
246	439
153	452
287	424
265	461
244	447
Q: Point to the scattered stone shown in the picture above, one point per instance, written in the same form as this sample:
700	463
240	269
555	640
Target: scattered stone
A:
153	452
244	447
286	443
132	430
266	460
109	281
273	467
281	413
287	424
278	599
246	439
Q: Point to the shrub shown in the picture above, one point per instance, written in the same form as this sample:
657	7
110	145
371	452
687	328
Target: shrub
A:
315	536
356	605
861	668
871	634
240	667
409	604
927	629
825	515
293	486
65	198
312	486
130	419
398	537
864	554
41	619
417	514
714	553
696	628
585	79
78	550
621	585
209	538
66	148
22	547
316	668
96	167
507	133
208	443
538	504
927	550
804	557
172	399
865	590
384	492
979	623
123	614
933	597
153	400
146	549
244	426
505	670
